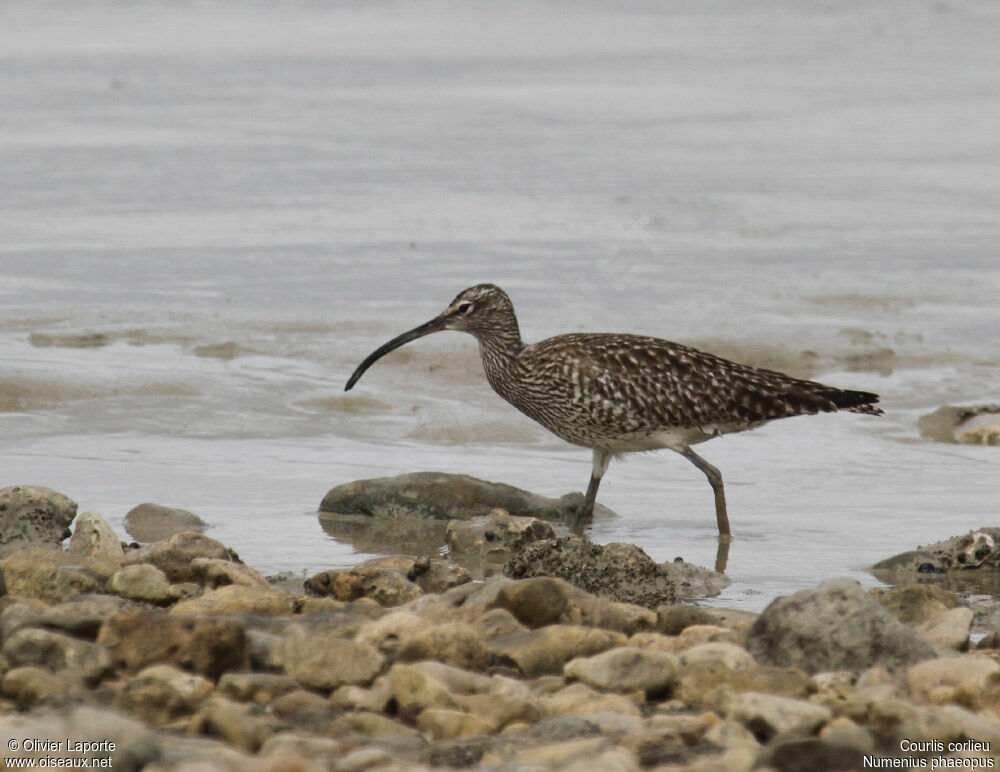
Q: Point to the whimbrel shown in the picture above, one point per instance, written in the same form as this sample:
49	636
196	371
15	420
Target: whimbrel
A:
621	394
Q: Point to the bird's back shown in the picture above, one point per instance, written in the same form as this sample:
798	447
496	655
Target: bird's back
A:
595	388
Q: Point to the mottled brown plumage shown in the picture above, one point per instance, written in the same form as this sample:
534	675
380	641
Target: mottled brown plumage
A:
624	393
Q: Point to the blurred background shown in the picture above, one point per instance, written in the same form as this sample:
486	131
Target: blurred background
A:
210	212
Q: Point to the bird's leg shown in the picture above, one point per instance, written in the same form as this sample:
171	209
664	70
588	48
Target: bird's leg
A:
586	512
715	480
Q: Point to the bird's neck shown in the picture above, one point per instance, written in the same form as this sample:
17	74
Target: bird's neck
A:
499	351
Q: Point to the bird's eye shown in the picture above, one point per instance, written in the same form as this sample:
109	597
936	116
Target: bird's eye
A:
464	308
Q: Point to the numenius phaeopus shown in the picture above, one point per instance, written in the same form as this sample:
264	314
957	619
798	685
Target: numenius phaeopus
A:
625	393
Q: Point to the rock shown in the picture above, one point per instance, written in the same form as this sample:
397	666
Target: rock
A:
29	685
626	669
437	576
729	655
260	688
915	604
950	630
983	435
57	653
977	549
691	581
620	572
439	496
320	660
807	753
835	626
535	602
494	538
548	649
767	715
162	693
81	617
581	700
971	679
497	623
33	516
202	644
415	690
238	599
214	572
671	619
142	582
386	586
457	644
154	522
948	422
175	555
442	724
235	723
52	575
94	538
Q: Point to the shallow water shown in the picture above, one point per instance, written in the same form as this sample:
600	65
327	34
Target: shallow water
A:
234	207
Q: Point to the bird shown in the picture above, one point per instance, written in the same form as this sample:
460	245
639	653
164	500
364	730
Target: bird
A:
621	393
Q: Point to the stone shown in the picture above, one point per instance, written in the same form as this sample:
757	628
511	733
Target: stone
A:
836	626
81	617
560	754
950	630
947	422
368	725
57	653
440	496
259	688
28	685
326	661
548	649
415	690
155	522
142	582
507	701
581	700
52	575
238	599
443	724
768	715
982	435
215	572
970	677
626	669
234	722
979	549
671	619
916	604
493	538
386	586
94	538
175	556
33	516
455	643
437	576
160	694
729	655
621	572
204	645
497	623
791	754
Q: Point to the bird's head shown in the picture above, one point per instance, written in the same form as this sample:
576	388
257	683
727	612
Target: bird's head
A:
483	310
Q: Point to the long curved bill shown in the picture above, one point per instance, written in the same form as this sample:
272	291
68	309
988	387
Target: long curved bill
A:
434	325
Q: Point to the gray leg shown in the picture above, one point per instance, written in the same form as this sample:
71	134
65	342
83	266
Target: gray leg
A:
715	480
586	512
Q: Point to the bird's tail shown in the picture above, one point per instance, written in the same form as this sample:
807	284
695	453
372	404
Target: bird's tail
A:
853	401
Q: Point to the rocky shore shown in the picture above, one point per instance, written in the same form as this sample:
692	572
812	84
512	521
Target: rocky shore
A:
559	654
